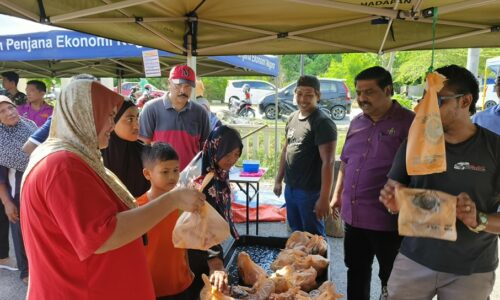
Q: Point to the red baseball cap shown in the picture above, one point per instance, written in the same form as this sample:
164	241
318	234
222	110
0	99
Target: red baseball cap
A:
183	74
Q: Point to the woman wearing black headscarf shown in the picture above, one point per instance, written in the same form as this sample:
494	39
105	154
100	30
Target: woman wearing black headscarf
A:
221	151
123	155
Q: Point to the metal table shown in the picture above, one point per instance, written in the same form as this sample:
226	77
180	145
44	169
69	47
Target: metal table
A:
247	184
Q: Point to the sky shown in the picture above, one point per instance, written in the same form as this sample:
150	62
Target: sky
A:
12	25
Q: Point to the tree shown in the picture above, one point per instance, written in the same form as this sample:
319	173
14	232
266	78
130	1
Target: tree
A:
350	65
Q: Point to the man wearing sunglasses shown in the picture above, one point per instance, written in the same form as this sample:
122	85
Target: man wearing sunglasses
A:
463	269
490	118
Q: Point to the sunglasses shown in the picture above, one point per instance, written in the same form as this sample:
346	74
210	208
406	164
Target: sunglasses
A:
442	98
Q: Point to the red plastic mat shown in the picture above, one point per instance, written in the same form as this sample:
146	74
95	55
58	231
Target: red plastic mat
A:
267	213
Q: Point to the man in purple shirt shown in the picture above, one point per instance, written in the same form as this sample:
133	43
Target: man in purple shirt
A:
372	140
36	109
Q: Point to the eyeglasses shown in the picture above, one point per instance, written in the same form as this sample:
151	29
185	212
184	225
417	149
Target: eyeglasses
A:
442	98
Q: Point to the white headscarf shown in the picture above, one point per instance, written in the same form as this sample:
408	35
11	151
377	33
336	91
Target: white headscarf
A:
73	129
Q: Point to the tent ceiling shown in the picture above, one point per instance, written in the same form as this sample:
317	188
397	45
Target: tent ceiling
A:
228	27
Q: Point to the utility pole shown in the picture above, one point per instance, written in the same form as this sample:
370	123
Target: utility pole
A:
473	60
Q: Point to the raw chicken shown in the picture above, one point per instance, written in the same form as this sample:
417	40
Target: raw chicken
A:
318	262
288	295
307	242
281	284
249	271
305	279
327	291
287	257
317	245
298	240
211	293
262	289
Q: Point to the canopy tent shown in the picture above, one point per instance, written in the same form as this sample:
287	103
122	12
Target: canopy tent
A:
494	64
63	53
228	27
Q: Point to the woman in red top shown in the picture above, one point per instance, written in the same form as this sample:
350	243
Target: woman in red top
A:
80	224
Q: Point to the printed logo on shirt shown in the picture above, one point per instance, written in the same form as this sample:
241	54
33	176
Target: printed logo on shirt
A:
468	166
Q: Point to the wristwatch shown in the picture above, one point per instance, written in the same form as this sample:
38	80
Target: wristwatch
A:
482	221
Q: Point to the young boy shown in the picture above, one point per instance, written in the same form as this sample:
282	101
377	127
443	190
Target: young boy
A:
168	265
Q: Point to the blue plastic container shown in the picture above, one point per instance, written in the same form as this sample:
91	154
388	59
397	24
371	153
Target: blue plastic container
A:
251	166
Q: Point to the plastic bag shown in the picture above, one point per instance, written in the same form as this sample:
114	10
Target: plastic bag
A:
191	172
425	153
427	213
202	229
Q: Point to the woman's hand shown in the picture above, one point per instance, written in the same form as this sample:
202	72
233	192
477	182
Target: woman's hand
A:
466	210
11	211
187	199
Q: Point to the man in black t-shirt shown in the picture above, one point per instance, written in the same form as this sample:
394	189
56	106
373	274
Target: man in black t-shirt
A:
307	160
465	268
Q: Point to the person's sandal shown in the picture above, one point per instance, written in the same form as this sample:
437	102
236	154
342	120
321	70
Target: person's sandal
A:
8	264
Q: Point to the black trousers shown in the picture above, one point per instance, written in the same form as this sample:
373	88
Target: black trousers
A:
4	233
360	247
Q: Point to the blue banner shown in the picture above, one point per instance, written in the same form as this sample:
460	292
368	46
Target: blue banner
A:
65	44
265	64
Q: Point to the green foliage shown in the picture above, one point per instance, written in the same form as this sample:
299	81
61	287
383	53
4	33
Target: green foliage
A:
350	65
405	102
314	64
215	87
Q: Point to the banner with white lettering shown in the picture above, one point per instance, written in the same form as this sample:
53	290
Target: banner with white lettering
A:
65	44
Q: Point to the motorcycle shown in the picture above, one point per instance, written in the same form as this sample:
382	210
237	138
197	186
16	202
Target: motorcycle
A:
148	94
242	108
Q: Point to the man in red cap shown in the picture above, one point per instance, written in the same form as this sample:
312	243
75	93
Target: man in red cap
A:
174	119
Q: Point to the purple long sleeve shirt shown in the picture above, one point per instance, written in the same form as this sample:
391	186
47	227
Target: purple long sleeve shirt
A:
368	153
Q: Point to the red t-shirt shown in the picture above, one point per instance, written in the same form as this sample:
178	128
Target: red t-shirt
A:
169	266
68	213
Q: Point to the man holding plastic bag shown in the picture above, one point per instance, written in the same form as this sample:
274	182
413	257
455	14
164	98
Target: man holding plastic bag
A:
468	168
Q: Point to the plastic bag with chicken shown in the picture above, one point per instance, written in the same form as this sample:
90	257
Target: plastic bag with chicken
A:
249	271
202	229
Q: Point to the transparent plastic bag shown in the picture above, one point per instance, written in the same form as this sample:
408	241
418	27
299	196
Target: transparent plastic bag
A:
191	172
204	228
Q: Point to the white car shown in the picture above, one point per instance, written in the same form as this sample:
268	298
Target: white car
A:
490	99
258	89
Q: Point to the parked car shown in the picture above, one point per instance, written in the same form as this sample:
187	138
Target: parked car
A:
258	89
490	99
335	97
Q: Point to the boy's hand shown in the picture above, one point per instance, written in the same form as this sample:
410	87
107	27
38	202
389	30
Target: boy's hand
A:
188	199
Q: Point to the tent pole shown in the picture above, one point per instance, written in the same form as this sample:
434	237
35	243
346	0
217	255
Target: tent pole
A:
276	140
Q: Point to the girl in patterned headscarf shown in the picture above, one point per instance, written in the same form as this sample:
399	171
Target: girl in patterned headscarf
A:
221	151
82	230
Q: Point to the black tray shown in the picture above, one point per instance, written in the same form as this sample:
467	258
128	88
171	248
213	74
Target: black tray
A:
263	251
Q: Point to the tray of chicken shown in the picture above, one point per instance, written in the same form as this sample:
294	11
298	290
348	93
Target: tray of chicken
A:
277	268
